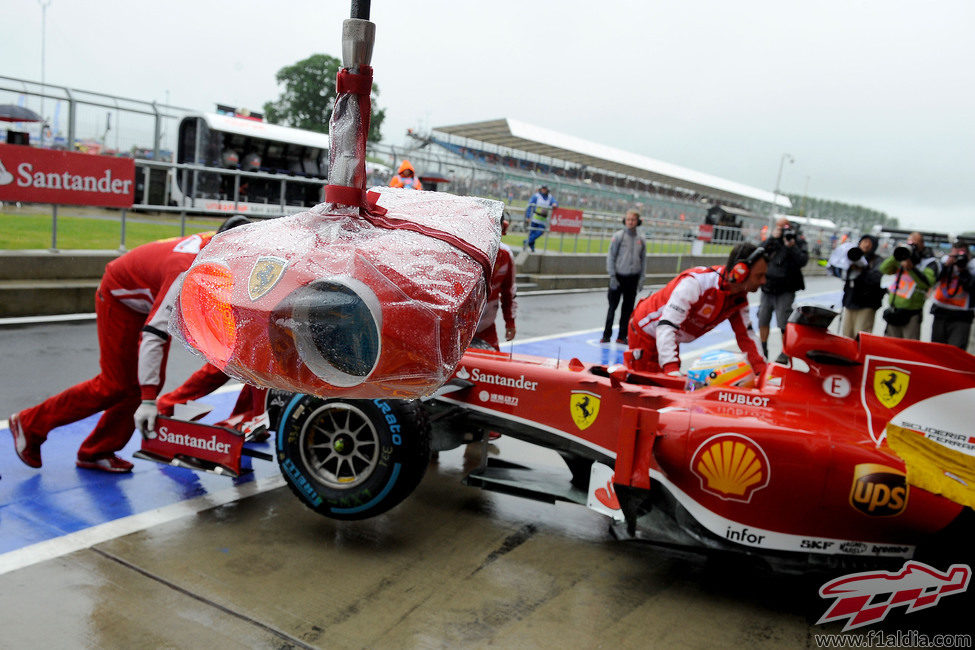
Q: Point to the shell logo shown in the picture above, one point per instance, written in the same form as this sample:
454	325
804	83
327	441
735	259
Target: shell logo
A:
731	467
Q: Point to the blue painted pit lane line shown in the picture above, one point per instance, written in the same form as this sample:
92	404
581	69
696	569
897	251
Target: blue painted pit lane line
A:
60	499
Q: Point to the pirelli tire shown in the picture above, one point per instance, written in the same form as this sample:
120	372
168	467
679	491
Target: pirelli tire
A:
352	459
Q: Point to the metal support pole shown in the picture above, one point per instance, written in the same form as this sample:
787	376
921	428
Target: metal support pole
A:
182	223
121	245
156	131
236	189
54	228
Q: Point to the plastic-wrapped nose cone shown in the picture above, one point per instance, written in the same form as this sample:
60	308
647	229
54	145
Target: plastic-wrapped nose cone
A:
337	330
329	302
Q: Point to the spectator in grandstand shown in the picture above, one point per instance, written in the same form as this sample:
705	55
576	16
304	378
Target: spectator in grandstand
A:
626	264
787	254
536	214
502	293
916	272
406	177
694	303
133	305
862	293
952	306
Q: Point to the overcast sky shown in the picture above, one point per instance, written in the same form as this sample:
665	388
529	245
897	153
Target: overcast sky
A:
875	100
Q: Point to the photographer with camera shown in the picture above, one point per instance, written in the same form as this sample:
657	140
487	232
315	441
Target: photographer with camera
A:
916	270
862	293
787	254
952	306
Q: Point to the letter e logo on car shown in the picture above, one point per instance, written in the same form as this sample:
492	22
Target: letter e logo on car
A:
837	386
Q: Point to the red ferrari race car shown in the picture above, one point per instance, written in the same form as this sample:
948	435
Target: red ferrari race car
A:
795	471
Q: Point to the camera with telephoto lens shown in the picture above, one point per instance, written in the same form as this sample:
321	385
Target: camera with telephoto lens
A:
907	251
855	254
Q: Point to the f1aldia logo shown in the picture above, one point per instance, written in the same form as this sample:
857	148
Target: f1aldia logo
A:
866	598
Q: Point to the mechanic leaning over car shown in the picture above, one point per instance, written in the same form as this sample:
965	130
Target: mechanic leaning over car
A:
787	254
694	303
916	270
133	304
952	305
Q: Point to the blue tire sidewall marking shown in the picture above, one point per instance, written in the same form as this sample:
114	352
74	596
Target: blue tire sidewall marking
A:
284	418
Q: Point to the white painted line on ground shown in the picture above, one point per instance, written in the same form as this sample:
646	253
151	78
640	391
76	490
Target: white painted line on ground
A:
82	539
39	320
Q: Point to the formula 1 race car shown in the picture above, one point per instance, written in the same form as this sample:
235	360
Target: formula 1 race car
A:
795	470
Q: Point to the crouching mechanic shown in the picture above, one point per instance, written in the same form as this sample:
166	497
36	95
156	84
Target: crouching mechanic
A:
132	307
694	303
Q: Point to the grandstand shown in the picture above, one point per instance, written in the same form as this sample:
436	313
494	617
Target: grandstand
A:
513	158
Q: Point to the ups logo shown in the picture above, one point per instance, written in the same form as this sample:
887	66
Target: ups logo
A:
878	490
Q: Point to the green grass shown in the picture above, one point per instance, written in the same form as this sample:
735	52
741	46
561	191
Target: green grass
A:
33	231
600	245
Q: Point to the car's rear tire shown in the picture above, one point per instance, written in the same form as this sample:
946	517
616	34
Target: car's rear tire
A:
352	459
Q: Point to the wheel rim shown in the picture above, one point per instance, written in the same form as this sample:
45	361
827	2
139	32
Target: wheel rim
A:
340	446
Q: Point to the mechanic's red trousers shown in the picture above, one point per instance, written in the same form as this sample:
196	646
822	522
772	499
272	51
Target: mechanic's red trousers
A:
115	390
489	335
637	339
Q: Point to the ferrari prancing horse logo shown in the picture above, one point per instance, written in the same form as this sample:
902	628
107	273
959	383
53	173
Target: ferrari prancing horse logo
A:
265	274
890	385
584	408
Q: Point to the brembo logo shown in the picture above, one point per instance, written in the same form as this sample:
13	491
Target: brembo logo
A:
210	444
499	380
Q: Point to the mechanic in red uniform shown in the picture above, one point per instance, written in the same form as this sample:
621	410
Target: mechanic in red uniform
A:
248	413
502	293
132	309
694	303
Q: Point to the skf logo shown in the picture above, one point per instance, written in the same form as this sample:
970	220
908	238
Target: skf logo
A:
862	598
890	385
584	408
731	467
265	274
878	490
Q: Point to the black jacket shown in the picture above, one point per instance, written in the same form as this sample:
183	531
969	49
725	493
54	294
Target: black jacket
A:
785	265
862	289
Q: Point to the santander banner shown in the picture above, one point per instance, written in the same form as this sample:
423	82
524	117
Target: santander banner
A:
42	176
566	220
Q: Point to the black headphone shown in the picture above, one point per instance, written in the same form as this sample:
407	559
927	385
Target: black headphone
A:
741	270
639	221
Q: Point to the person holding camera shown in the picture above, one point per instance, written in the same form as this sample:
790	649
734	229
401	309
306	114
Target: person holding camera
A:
626	264
862	293
916	270
787	254
952	306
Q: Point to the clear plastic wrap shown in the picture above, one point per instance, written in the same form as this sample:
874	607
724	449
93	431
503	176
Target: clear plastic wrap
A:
326	302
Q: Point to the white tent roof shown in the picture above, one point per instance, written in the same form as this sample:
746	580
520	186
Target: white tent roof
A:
545	142
255	129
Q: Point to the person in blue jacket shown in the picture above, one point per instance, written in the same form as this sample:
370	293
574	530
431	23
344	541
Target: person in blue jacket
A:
539	207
